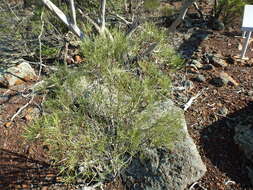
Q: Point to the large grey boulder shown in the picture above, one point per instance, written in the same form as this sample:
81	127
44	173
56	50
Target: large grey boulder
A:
155	169
160	169
244	138
17	75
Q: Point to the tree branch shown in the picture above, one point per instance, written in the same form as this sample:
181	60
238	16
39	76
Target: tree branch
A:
182	13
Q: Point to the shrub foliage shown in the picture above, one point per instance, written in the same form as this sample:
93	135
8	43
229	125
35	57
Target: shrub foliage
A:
95	115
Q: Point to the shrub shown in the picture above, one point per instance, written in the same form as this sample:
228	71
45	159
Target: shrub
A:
230	10
96	115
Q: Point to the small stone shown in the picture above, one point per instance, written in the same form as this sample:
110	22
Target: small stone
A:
223	111
200	78
218	62
202	36
219	82
193	70
197	63
70	60
250	93
208	67
239	47
230	60
8	124
228	78
188	85
31	113
218	25
78	59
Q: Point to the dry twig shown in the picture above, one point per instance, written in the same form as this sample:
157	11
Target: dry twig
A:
39	38
22	108
189	103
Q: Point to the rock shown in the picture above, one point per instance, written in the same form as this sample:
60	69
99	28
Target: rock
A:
200	78
250	93
239	47
160	169
202	36
218	62
78	59
208	67
219	82
197	63
17	75
31	113
8	124
224	76
218	25
230	60
244	138
223	80
223	111
188	85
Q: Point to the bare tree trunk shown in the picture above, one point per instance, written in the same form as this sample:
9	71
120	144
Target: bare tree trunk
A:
73	11
182	13
102	15
71	25
130	6
125	5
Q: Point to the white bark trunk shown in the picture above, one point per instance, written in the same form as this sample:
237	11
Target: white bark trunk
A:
102	15
73	11
66	20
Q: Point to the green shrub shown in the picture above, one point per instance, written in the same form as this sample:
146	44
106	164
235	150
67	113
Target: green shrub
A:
230	10
96	116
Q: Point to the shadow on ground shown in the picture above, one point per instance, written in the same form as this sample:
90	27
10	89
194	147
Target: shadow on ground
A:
19	172
219	147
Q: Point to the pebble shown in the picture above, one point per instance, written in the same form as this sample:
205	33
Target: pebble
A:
223	111
231	60
219	82
218	25
208	67
197	63
226	77
200	78
188	85
223	80
250	93
218	62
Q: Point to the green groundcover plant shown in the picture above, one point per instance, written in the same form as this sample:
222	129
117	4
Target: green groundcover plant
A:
95	115
230	10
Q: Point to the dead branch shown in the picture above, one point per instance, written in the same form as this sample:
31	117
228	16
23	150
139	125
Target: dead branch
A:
22	108
189	103
39	38
122	19
198	10
147	52
182	13
97	27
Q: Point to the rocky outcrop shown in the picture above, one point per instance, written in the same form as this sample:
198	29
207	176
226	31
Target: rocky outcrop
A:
244	138
17	75
159	169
